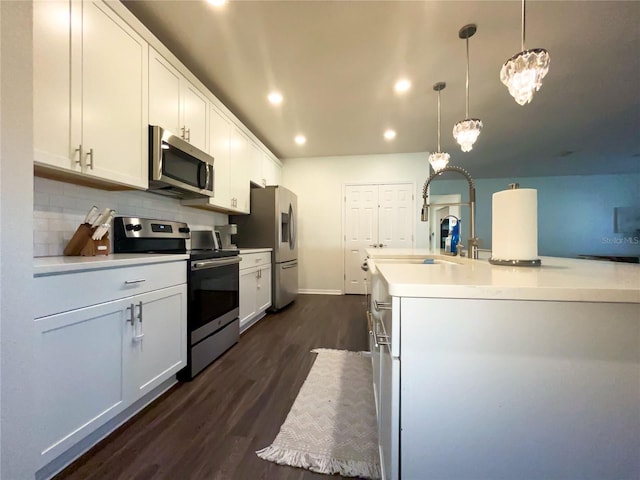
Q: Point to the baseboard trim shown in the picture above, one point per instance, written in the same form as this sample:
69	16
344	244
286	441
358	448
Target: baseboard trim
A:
314	291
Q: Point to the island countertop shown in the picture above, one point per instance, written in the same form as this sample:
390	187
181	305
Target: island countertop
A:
557	279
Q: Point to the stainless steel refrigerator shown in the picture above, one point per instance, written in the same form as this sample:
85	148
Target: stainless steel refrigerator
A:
272	223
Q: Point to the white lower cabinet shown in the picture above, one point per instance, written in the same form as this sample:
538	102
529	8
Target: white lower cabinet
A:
255	287
92	362
468	388
155	340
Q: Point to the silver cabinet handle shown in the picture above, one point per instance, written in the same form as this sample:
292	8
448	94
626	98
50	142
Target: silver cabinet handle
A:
132	316
183	136
137	333
188	135
133	282
79	150
381	305
90	157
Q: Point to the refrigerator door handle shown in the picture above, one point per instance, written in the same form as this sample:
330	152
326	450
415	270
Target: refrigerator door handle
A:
290	265
292	228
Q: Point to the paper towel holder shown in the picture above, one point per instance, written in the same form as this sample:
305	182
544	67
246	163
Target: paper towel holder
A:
515	263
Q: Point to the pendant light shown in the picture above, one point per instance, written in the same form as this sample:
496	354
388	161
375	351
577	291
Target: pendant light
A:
523	73
439	160
466	131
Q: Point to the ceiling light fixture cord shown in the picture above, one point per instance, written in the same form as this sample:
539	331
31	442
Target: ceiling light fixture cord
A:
467	106
438	120
523	24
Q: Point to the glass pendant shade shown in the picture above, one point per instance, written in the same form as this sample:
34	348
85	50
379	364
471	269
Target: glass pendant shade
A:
523	73
466	132
439	160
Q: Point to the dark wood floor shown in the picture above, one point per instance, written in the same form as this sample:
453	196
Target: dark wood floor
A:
211	427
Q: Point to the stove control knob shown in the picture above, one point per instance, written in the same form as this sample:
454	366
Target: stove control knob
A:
136	227
184	230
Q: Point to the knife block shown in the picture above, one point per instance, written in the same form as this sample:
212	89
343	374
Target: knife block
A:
81	243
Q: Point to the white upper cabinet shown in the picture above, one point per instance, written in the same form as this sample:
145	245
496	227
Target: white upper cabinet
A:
271	171
51	85
175	103
164	94
264	170
256	164
219	144
90	100
240	168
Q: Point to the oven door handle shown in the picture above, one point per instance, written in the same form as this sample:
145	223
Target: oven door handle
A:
214	263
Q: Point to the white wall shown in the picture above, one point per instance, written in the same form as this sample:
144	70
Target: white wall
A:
318	182
58	209
17	446
575	213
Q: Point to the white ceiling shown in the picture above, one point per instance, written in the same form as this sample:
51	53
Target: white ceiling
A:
336	62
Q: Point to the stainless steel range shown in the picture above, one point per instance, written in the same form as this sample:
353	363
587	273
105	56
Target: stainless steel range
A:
212	283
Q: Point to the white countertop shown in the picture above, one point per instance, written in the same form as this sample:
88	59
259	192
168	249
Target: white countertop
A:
54	265
558	279
246	251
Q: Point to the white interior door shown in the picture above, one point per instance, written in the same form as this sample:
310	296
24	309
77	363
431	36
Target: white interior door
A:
436	214
361	231
376	216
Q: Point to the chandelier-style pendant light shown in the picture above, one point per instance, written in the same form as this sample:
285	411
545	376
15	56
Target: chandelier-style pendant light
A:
467	131
439	160
523	73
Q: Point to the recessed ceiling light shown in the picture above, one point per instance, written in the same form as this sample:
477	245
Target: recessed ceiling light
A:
390	134
402	85
275	98
217	3
300	139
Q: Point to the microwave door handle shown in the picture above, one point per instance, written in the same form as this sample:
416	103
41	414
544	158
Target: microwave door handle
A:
201	165
208	169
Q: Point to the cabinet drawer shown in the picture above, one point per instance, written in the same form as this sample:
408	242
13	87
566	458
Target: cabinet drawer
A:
254	260
64	292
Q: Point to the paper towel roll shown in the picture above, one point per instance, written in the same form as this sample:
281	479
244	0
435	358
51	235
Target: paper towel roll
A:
514	224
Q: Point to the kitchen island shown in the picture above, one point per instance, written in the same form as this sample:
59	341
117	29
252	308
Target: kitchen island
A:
496	372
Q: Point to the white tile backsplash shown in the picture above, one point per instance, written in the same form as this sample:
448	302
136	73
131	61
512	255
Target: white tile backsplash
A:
59	207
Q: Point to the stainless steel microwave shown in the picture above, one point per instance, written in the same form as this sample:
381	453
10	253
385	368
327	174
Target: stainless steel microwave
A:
176	167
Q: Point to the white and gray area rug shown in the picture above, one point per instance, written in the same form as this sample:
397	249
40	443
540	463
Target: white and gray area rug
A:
331	427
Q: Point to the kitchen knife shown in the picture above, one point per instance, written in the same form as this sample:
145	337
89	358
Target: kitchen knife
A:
91	215
101	218
104	226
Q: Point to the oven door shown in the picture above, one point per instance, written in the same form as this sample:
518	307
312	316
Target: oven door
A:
214	286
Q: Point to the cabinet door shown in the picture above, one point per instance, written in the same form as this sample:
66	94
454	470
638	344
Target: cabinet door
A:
263	293
194	115
255	159
52	74
389	414
248	293
114	98
164	94
219	141
240	171
155	345
78	379
270	171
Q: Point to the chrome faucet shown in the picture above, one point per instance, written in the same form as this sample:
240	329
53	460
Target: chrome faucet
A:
474	242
